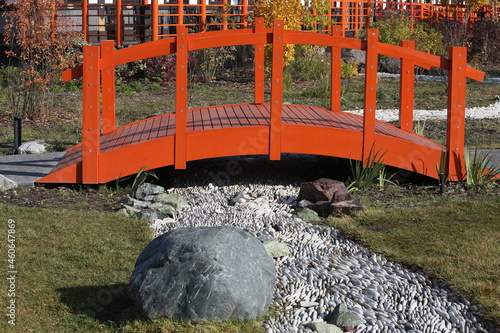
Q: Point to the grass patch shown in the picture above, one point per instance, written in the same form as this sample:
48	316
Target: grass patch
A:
454	238
73	270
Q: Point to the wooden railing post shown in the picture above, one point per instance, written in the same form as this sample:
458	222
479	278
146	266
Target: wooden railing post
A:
90	115
180	12
406	90
203	18
336	71
181	86
455	134
119	22
108	90
275	127
154	19
370	103
85	20
259	64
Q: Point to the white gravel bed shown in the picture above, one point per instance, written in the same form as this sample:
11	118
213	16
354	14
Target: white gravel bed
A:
325	269
492	111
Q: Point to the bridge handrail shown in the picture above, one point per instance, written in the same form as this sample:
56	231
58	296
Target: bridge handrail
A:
102	60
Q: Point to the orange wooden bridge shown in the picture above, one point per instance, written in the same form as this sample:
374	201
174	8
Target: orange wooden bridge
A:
107	153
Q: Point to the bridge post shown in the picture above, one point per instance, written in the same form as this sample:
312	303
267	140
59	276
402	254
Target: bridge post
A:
336	77
259	64
406	90
455	132
91	115
370	103
275	126
181	86
119	22
154	19
108	90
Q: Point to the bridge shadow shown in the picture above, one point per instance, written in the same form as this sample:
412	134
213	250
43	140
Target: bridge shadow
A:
106	304
292	169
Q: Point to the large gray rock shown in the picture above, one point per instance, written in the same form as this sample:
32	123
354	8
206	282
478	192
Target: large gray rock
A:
204	273
32	147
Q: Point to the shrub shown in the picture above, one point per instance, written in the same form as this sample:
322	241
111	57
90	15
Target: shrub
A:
484	46
397	28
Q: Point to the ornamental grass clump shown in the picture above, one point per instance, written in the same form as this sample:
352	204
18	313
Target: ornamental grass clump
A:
478	171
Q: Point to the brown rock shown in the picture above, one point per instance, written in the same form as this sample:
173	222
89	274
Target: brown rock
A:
320	190
346	207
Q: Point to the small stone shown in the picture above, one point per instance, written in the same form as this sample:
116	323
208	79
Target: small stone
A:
304	203
276	249
342	317
308	215
6	183
239	197
172	199
32	147
128	210
164	208
148	189
322	327
306	304
150	215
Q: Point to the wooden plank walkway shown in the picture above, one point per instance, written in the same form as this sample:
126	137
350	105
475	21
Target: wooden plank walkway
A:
232	116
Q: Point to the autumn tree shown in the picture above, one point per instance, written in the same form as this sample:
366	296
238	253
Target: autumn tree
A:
294	15
41	44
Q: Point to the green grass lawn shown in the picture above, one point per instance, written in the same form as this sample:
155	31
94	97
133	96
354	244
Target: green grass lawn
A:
454	238
74	265
73	270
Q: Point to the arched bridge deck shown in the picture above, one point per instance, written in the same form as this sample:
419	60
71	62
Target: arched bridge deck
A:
243	129
107	153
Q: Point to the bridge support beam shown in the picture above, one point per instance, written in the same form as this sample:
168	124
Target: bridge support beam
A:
275	129
91	131
181	87
455	134
370	104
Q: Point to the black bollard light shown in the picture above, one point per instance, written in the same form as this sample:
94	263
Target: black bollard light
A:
441	183
17	133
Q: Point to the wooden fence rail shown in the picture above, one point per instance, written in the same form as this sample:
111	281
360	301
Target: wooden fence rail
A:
129	22
98	78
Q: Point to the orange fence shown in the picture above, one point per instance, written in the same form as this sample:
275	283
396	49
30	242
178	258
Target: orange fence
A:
135	21
99	90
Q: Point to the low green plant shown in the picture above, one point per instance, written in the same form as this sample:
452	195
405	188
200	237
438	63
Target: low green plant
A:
140	178
478	172
419	127
369	175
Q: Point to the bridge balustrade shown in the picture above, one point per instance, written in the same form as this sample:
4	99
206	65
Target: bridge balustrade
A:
99	87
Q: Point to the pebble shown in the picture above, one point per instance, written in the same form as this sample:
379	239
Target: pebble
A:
325	269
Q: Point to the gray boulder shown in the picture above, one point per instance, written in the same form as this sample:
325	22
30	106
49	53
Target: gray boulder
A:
351	55
204	273
150	214
6	183
32	147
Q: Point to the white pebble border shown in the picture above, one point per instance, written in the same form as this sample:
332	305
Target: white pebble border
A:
325	269
386	115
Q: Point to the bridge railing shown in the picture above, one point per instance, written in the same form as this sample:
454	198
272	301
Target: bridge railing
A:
98	101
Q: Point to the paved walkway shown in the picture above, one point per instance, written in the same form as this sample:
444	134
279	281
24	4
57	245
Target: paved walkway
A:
26	169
